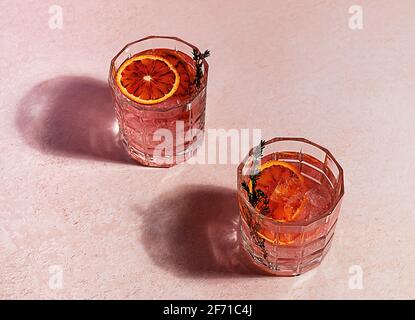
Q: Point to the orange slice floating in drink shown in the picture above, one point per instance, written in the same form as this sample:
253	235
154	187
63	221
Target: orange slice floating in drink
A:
148	79
283	183
184	70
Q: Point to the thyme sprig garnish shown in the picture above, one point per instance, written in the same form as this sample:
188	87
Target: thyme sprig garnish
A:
256	196
199	57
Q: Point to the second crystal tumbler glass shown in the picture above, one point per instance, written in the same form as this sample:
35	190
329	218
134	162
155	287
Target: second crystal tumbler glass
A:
158	86
289	194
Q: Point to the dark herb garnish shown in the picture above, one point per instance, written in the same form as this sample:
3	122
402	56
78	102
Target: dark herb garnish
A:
199	57
256	196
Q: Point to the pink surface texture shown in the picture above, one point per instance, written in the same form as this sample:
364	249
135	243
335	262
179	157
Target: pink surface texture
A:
79	220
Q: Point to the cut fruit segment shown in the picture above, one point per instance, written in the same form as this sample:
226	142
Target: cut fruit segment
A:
183	68
148	79
283	183
280	238
267	236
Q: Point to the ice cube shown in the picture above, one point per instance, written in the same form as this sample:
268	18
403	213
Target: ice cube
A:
318	197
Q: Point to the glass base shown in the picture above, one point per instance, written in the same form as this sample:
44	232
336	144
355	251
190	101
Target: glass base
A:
283	267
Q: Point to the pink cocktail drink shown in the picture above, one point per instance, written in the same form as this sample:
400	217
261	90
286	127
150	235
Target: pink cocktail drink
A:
159	92
289	200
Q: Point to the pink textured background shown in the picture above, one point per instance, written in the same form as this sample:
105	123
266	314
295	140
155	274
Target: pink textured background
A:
293	68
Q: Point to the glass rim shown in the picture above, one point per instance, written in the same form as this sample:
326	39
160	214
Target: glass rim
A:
155	107
327	213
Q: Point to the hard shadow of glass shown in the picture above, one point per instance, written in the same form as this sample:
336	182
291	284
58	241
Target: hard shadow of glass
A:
71	116
194	232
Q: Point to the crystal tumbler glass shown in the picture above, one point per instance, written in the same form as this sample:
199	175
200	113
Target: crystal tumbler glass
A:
292	246
164	131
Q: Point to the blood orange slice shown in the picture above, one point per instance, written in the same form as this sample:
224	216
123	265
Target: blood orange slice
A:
147	79
178	60
284	185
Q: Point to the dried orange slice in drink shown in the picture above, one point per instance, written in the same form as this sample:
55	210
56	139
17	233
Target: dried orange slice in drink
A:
147	79
186	73
283	183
